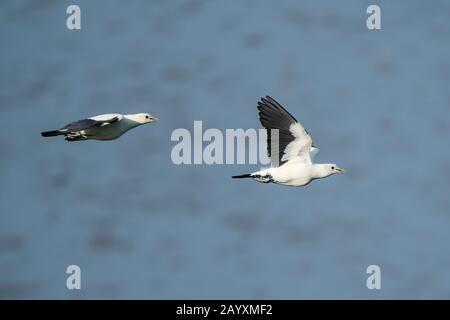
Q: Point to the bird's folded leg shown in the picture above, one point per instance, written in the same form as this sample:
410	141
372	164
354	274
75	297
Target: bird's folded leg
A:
263	179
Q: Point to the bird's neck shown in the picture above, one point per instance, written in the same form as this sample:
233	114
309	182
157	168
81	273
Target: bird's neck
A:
320	171
131	120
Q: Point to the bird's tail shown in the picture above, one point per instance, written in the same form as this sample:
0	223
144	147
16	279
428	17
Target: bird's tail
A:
242	176
53	133
266	178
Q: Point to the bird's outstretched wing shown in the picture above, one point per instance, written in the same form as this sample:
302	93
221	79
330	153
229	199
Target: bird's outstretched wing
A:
292	141
90	123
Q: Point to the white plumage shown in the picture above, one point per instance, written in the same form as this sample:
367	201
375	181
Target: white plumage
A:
290	149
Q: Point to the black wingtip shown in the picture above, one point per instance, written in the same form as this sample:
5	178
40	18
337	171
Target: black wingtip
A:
273	105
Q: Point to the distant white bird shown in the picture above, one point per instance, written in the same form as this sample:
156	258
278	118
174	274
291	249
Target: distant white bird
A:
102	127
291	150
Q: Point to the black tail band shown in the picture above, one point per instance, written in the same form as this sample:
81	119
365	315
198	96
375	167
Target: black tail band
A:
51	133
242	176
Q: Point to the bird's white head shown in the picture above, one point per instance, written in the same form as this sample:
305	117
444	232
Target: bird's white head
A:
327	169
142	118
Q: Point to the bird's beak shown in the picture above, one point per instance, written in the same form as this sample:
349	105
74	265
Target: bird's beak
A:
340	170
155	119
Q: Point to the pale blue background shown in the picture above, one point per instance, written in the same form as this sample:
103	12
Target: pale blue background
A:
376	102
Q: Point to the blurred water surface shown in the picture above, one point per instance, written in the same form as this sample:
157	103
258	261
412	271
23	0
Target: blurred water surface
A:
376	102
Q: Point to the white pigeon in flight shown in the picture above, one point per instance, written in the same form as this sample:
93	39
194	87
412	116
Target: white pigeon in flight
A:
290	149
102	127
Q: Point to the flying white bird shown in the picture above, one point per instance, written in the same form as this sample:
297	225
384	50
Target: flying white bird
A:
290	149
102	127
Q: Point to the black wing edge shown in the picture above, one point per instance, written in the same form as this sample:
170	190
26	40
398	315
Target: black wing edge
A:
269	104
273	116
78	126
87	124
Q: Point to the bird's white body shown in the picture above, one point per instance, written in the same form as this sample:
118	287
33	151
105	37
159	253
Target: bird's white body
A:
292	173
111	131
295	173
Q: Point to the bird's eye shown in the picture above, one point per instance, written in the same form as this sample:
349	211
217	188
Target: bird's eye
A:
332	168
146	117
